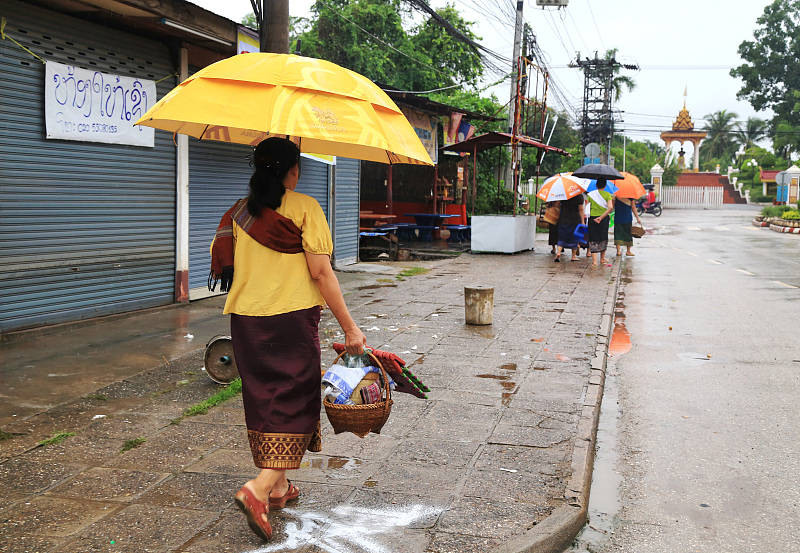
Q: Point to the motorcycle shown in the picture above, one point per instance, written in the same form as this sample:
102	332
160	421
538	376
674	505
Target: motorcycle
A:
654	208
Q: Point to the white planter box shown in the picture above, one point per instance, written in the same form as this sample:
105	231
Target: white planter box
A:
503	233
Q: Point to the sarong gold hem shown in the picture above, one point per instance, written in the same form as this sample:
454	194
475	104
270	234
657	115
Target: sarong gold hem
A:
277	450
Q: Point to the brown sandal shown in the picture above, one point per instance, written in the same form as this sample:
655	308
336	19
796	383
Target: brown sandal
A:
254	510
280	502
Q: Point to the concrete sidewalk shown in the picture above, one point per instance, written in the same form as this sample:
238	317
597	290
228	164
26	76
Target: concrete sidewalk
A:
503	442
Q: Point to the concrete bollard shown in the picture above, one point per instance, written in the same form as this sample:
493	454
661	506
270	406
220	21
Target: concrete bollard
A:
478	305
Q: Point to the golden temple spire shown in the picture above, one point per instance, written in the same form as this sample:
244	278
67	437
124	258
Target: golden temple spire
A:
685	89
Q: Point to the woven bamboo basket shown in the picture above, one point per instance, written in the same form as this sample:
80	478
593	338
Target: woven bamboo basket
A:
361	419
637	232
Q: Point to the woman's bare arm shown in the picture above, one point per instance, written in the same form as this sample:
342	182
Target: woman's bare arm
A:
319	265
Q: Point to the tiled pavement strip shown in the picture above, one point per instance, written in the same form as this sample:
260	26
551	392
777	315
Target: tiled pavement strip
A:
484	459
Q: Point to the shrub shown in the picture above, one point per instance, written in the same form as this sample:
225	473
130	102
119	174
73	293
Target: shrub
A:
792	214
774	210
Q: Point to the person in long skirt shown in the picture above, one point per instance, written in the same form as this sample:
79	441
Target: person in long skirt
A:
570	217
624	211
552	234
271	252
598	222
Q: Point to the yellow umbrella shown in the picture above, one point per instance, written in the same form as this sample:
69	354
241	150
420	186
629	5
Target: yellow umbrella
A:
324	108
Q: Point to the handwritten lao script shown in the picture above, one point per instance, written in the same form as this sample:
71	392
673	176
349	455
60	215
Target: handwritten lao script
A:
82	104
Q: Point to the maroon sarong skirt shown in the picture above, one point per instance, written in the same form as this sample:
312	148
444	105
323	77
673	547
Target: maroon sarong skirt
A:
279	361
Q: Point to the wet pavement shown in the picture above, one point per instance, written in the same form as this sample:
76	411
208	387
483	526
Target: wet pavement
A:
706	444
484	459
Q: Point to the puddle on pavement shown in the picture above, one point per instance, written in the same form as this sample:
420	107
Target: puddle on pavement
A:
334	463
604	496
348	528
494	376
505	382
485	331
620	337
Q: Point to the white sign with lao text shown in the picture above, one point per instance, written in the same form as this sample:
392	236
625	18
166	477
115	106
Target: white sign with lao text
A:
90	106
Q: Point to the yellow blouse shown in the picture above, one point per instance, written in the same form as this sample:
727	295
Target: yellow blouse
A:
267	282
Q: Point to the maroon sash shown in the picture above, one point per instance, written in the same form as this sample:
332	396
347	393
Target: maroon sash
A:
270	229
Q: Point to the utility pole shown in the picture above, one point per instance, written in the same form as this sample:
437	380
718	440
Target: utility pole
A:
509	172
273	25
597	122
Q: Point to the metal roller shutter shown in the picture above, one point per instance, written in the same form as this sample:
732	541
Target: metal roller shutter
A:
86	229
314	181
219	174
347	198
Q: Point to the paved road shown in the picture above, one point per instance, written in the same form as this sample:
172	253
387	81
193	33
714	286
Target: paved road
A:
708	393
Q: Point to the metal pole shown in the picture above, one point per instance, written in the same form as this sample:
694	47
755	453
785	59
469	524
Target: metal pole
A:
475	177
509	177
624	149
389	194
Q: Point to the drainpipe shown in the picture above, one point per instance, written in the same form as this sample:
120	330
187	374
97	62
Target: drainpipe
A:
182	200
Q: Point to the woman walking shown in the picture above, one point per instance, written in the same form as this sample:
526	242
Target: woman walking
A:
570	217
271	252
624	210
552	233
600	205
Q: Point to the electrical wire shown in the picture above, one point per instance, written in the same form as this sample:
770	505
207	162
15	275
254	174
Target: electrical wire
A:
596	28
577	30
380	40
422	91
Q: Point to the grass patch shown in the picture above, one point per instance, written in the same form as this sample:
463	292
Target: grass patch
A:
384	280
5	435
56	439
98	397
130	444
226	393
411	271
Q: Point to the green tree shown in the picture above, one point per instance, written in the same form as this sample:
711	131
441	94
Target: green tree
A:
460	61
721	142
639	156
618	82
371	38
769	80
753	130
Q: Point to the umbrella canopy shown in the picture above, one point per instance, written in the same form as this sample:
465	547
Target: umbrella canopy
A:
562	187
597	171
594	193
629	186
324	108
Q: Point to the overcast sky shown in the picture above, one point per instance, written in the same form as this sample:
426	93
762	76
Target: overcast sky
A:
678	44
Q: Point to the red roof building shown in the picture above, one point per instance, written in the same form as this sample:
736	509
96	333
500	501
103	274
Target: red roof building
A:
768	176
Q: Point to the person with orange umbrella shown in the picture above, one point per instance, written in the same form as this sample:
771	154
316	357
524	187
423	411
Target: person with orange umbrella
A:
568	191
629	188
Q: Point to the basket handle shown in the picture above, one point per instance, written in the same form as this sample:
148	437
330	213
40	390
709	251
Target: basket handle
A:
385	375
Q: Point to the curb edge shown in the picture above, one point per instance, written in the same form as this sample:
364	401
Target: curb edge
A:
557	531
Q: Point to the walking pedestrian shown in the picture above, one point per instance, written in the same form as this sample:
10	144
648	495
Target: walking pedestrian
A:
271	252
600	205
552	235
624	210
571	216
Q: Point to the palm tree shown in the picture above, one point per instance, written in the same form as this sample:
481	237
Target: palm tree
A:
753	130
721	141
619	81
